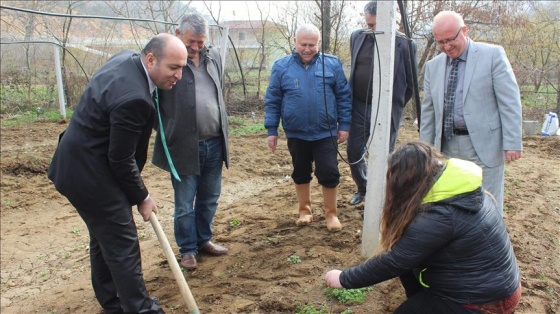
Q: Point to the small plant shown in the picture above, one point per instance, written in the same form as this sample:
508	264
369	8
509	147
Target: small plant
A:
542	276
75	231
8	202
347	296
66	255
235	222
142	236
44	272
309	309
294	259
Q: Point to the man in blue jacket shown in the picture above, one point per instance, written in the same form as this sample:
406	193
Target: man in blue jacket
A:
311	95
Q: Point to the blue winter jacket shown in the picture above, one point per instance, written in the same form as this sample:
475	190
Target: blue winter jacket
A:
295	94
459	247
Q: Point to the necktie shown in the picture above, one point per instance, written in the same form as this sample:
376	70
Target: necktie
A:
162	135
449	100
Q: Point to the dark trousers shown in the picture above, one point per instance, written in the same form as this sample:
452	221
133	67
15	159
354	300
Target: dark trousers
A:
323	152
116	270
419	301
357	141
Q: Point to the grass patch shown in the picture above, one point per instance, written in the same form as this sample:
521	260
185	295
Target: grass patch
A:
240	126
37	115
310	308
347	296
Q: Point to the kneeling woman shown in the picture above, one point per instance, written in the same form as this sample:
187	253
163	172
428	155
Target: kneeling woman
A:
443	236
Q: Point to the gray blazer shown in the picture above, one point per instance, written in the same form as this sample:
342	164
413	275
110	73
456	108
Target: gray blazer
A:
491	103
178	113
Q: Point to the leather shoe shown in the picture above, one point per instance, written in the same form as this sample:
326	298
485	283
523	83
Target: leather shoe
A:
357	198
213	249
188	261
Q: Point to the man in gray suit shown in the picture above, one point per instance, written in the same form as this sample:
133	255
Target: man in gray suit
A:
486	111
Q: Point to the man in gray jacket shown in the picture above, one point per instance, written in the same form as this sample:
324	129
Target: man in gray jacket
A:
484	115
194	142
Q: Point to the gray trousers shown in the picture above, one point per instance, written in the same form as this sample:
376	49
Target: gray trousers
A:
460	146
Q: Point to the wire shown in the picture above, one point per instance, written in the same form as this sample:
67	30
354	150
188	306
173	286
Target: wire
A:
374	125
333	137
72	16
50	42
240	68
412	59
85	16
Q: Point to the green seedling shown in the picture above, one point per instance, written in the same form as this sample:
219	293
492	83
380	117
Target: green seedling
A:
347	296
294	259
235	222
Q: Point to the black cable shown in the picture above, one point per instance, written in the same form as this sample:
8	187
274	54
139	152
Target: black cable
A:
412	58
50	42
334	139
370	138
240	68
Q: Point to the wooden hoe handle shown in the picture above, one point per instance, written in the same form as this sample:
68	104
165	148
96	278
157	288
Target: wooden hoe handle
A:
175	269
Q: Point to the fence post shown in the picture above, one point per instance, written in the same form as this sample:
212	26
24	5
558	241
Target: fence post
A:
59	81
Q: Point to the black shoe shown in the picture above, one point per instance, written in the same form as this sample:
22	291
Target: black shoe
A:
357	198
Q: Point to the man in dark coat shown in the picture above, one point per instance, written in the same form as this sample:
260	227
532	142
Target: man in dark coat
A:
362	44
98	161
194	123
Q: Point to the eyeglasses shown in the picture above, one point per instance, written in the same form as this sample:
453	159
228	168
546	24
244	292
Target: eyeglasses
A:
449	40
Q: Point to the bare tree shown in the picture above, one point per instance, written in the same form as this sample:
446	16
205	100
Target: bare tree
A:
287	22
161	10
263	43
324	19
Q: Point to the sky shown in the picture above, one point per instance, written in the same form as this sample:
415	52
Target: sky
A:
234	10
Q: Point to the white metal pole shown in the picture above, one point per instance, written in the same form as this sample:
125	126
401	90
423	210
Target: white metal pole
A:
225	40
380	125
59	81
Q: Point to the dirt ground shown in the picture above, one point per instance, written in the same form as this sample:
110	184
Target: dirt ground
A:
44	243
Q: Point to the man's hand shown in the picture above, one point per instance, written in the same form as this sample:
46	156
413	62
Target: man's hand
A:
147	207
342	136
272	142
513	155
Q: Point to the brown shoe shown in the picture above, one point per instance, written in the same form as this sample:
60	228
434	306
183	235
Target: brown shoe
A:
213	249
188	262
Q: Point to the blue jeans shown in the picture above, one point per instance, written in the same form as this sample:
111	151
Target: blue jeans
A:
196	198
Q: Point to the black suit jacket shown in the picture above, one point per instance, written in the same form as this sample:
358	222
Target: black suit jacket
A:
99	157
402	73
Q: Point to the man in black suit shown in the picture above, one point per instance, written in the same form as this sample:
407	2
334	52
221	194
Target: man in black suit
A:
362	44
98	161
